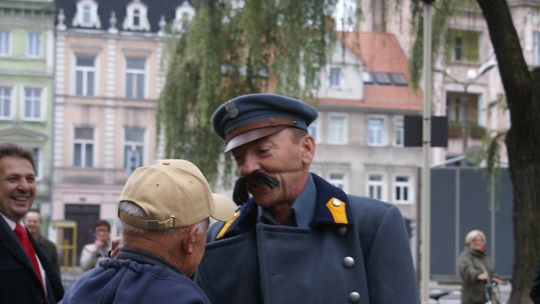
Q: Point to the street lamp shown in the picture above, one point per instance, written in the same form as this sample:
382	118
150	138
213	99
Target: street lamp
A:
472	76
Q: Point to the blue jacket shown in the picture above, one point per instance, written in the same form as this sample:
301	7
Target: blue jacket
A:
342	249
135	277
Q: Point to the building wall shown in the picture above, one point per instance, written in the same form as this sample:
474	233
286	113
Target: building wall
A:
18	71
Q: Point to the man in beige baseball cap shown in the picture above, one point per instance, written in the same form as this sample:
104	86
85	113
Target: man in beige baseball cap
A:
164	212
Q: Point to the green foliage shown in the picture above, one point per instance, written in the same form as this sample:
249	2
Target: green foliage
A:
230	50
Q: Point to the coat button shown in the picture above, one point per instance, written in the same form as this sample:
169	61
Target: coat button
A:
342	230
348	262
354	297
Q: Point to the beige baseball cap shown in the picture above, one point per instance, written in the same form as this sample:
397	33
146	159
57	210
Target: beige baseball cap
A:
173	193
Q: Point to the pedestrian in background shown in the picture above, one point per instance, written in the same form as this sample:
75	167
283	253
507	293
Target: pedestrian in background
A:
26	275
298	239
32	219
476	269
95	252
163	212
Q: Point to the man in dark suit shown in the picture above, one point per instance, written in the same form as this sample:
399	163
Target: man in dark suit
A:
26	276
32	219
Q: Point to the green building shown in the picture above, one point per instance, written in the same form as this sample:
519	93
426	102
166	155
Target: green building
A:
27	85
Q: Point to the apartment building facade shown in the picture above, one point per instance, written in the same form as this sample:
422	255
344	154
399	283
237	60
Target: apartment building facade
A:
109	73
363	97
26	85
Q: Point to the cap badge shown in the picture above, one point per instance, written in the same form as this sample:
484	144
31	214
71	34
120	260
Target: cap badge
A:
232	110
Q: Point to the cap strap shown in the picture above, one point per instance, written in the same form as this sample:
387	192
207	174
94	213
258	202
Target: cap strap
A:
146	224
270	122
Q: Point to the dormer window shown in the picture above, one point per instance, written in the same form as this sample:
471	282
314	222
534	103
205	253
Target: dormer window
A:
136	17
183	15
86	15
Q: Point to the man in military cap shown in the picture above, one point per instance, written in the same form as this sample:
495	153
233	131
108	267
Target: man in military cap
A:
164	212
296	238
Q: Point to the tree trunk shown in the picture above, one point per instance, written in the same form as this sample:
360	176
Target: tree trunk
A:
522	141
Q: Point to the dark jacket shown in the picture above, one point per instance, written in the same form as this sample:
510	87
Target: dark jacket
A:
350	250
49	250
134	277
18	281
472	263
535	287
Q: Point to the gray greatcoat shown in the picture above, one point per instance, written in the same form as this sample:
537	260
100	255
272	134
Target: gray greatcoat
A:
358	254
472	263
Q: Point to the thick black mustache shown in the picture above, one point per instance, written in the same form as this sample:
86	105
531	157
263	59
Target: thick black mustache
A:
241	194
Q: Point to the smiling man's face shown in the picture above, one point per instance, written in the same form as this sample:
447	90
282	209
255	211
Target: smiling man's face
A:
17	187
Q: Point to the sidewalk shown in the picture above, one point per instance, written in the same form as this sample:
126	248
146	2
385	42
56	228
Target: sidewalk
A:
455	294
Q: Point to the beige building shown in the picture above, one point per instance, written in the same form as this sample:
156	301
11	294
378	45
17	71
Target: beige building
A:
109	75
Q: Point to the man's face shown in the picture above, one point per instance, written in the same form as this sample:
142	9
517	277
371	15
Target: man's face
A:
281	156
33	222
102	233
17	186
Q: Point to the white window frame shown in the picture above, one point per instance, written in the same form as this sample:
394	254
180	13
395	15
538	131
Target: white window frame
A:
335	136
133	145
84	142
5	43
87	14
34	43
33	99
37	155
85	70
408	185
136	8
399	132
135	73
314	130
335	77
370	130
183	16
341	183
375	184
9	98
536	47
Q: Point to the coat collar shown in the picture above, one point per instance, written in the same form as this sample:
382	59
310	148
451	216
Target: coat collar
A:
331	207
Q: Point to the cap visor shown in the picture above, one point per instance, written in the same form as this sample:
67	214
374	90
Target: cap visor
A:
224	207
252	135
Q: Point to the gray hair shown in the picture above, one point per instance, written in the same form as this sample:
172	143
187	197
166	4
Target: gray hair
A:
472	235
134	210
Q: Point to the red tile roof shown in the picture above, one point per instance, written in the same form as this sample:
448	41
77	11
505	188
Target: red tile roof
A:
379	52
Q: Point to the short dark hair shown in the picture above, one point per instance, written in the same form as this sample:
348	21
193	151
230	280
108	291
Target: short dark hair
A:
102	223
10	149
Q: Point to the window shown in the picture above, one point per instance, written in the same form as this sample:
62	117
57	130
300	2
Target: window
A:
399	132
402	189
135	78
536	48
367	77
136	17
87	14
36	155
335	77
398	79
375	131
84	75
34	45
382	78
338	180
463	45
313	130
33	101
375	186
5	102
83	150
338	129
133	148
183	15
5	43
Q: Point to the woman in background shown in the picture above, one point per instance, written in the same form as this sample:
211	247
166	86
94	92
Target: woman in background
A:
475	269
